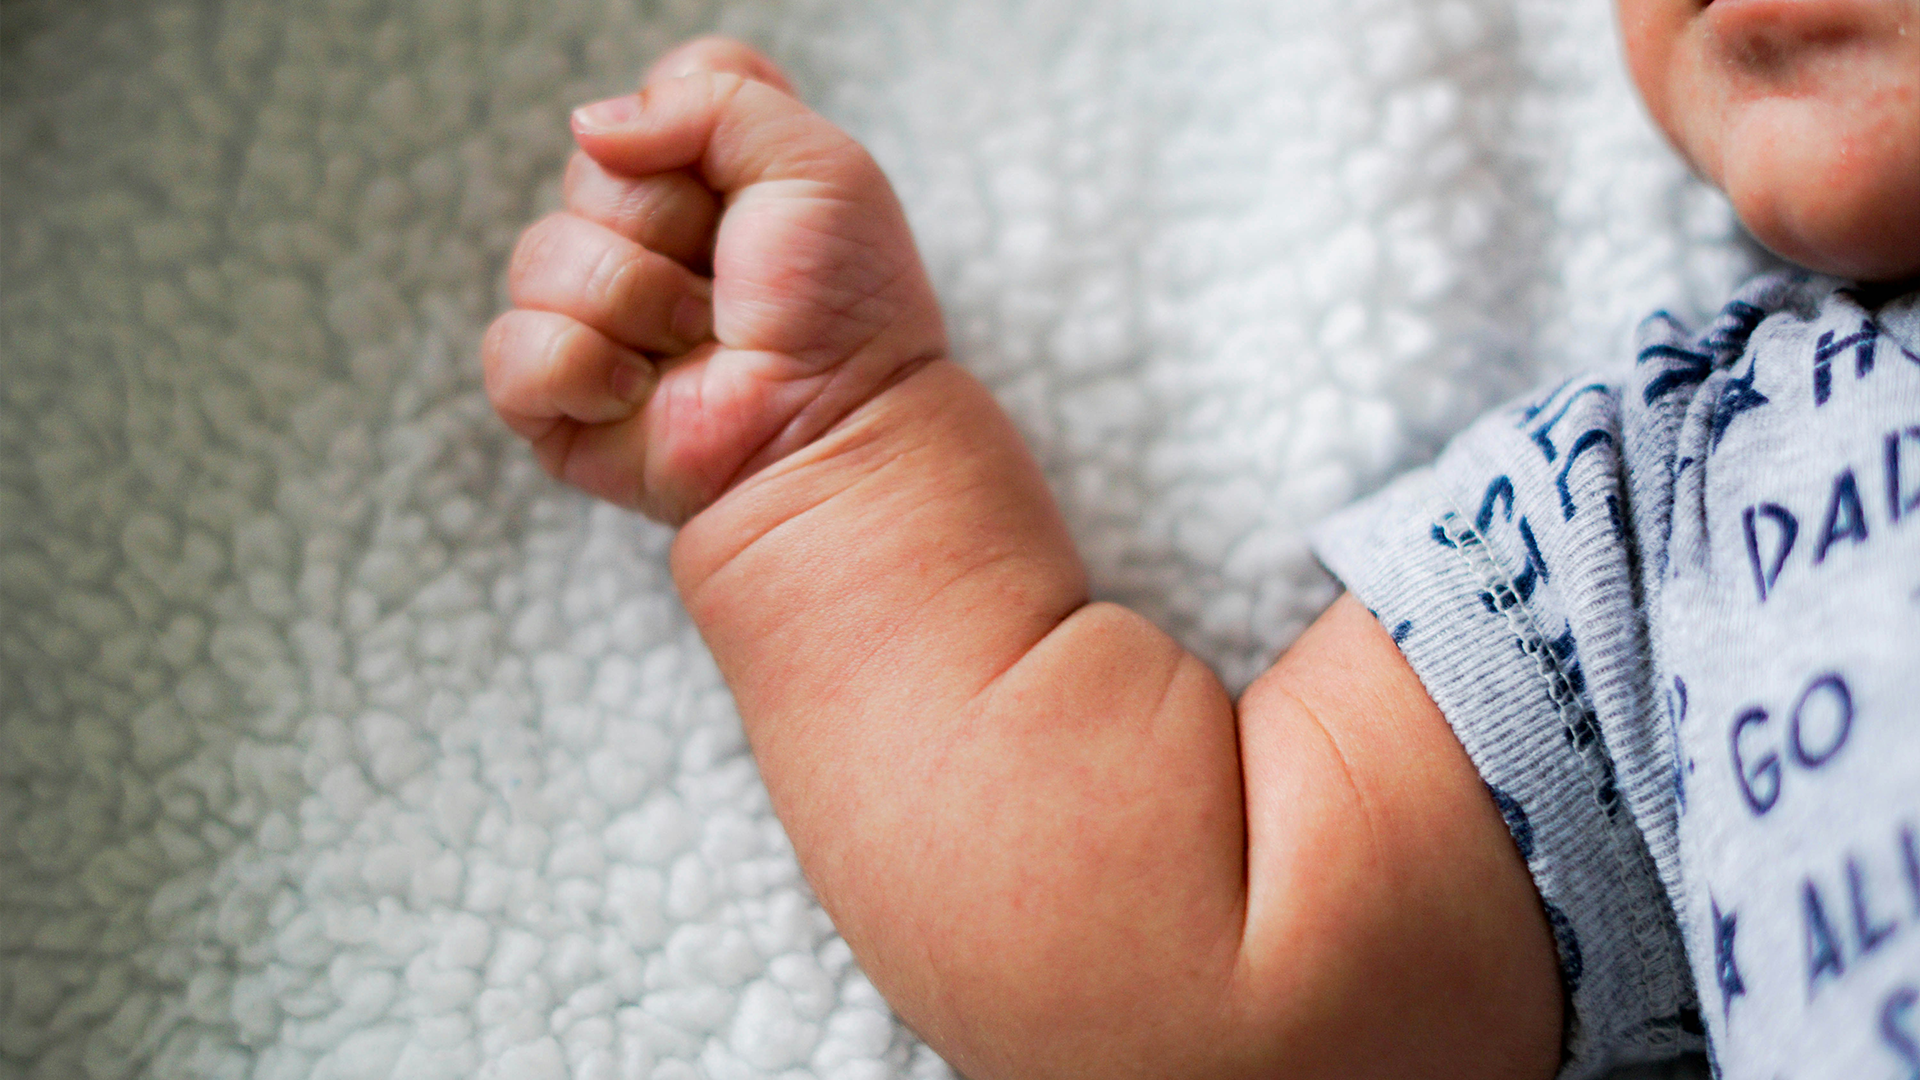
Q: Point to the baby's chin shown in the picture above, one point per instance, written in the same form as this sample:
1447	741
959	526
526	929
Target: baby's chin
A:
1833	198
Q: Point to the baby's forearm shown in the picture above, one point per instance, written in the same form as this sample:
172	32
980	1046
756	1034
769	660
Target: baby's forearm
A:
1017	806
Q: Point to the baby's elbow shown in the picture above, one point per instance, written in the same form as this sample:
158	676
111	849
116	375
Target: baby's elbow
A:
1101	936
1043	1003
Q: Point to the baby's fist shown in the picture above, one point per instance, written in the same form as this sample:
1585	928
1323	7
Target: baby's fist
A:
641	380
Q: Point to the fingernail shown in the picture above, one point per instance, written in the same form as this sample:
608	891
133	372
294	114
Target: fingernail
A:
609	115
692	319
631	382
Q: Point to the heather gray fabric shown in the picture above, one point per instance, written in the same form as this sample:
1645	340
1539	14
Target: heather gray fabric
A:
1673	613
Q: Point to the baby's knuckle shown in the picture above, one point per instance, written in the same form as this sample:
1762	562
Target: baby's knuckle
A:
633	206
564	345
609	275
536	248
562	358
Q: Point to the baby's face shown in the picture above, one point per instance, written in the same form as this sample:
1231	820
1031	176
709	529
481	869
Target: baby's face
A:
1805	112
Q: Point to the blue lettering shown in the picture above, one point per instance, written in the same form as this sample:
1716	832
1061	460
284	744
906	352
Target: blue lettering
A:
1846	518
1500	489
1587	440
1841	726
1536	570
1896	1031
1897	506
1766	771
1726	966
1817	729
1823	951
1866	933
1861	342
1789	527
1676	716
1566	651
1737	322
1910	861
1771	529
1542	436
1692	369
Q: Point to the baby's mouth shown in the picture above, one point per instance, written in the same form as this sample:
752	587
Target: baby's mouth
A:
1800	21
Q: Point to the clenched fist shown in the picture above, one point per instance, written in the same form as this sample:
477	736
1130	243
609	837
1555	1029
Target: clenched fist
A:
731	277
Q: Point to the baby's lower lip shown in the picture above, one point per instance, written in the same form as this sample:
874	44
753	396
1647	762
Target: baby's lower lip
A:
1798	18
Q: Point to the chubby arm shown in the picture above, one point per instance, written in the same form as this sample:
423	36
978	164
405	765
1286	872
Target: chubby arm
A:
1053	840
1047	831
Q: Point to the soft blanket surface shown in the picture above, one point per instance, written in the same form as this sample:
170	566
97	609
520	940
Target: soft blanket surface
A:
336	741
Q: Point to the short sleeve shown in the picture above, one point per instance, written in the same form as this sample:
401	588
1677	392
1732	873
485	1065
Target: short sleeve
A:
1506	572
1671	614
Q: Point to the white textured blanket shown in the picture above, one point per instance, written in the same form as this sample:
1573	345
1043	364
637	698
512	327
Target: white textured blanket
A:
336	741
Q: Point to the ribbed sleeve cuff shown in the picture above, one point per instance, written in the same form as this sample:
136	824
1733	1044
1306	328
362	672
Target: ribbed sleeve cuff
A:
1458	617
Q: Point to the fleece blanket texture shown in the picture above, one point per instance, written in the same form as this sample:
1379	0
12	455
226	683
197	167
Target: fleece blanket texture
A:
336	741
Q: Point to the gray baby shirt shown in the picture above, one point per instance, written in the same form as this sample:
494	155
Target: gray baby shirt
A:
1673	614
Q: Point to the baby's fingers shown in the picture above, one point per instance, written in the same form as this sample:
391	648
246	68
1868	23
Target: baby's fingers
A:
585	271
671	213
544	369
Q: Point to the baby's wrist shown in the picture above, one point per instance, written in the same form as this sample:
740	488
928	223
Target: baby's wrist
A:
930	435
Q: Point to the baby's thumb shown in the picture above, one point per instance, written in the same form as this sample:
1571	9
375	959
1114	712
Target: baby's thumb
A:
736	130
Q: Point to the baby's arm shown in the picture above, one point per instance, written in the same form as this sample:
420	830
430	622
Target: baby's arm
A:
1045	829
